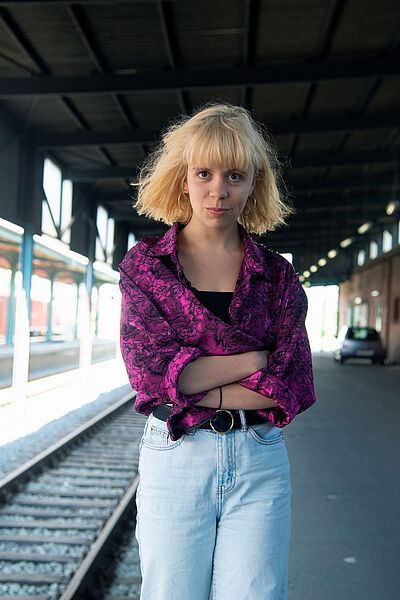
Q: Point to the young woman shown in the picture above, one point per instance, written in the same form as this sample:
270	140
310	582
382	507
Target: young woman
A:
214	342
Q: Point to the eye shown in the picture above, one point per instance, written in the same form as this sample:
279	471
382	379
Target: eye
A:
236	177
202	174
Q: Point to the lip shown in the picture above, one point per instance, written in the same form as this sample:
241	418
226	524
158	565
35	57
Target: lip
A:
217	211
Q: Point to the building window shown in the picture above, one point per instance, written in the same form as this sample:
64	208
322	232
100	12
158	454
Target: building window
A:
396	310
131	240
378	316
361	257
105	237
57	205
387	241
360	315
373	249
288	256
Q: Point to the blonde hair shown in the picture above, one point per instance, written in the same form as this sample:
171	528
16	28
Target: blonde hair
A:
222	136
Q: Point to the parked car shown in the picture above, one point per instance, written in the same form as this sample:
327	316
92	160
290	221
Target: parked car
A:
359	342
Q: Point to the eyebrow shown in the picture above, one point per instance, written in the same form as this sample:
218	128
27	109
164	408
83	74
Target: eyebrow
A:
203	168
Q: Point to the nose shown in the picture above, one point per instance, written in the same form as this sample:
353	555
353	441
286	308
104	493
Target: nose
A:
218	188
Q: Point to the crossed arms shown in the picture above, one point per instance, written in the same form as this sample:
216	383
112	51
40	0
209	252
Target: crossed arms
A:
210	372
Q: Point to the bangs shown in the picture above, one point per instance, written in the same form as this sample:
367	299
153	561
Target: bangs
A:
218	145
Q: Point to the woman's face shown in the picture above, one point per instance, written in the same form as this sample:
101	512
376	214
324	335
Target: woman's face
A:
211	187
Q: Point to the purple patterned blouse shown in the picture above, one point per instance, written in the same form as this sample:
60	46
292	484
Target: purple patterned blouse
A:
164	327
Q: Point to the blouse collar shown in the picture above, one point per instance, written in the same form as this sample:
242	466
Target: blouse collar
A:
253	256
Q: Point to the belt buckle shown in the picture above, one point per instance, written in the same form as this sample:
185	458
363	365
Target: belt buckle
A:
223	410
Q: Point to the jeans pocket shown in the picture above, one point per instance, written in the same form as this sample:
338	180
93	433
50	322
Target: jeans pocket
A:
157	437
266	433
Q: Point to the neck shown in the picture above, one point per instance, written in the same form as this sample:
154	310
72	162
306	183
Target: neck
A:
196	236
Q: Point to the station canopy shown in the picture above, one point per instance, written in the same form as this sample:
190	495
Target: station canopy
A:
94	83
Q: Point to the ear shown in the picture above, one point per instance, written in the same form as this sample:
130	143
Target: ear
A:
185	187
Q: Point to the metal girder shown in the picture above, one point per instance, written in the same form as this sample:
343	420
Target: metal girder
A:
331	159
324	221
24	44
327	206
171	44
250	22
317	229
356	158
192	79
15	3
305	187
152	136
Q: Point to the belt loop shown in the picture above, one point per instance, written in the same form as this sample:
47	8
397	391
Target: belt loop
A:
243	420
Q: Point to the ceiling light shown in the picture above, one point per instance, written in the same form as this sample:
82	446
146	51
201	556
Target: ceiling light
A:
346	242
322	262
332	253
301	278
306	274
357	300
375	293
365	227
392	206
313	268
307	284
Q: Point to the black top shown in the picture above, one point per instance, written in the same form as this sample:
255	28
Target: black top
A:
216	302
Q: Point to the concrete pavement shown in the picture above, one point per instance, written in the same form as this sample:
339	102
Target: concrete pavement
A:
345	468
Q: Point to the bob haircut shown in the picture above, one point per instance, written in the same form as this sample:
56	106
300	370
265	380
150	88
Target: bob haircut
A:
216	135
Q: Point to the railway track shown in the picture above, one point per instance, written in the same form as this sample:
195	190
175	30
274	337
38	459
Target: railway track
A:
61	512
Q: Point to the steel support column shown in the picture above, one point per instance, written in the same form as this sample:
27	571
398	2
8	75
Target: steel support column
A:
11	307
49	333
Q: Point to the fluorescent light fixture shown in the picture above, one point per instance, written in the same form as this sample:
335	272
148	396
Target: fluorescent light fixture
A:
332	253
306	274
365	227
392	206
375	293
322	262
346	242
313	268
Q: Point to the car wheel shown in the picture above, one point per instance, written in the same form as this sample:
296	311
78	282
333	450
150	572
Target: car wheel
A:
342	359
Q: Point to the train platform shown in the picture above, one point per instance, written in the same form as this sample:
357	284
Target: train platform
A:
52	397
56	356
344	454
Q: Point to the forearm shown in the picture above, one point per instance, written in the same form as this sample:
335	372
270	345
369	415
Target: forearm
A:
209	372
236	396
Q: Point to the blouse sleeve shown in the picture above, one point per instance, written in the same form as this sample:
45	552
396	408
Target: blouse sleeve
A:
153	357
288	379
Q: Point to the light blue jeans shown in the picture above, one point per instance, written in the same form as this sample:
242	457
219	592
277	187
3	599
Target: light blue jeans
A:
213	513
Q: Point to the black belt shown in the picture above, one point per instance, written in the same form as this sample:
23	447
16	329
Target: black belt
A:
221	421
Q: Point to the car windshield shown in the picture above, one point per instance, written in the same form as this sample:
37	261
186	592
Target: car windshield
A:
362	333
